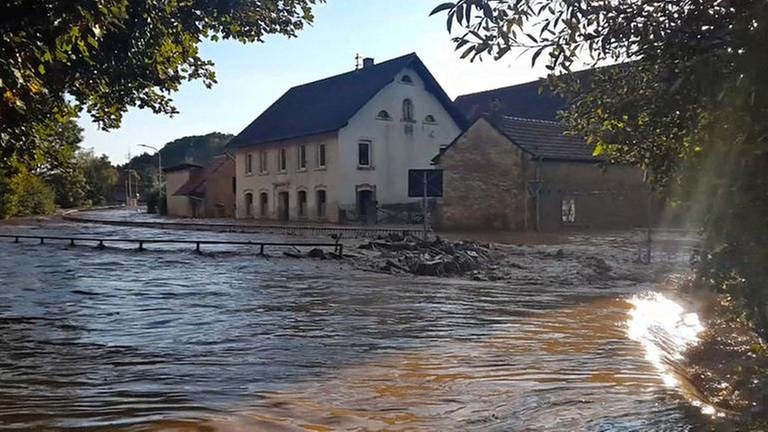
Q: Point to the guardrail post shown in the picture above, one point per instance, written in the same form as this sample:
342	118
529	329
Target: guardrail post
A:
71	242
42	240
141	246
101	244
16	240
341	250
197	247
261	249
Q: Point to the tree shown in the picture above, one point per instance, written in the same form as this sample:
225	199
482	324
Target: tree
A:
59	57
24	194
687	102
100	177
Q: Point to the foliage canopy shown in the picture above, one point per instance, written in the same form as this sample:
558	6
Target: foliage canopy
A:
685	99
59	57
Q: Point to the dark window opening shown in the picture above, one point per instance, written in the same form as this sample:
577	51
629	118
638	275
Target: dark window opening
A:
321	156
408	110
302	203
264	205
249	204
364	153
249	163
321	203
302	157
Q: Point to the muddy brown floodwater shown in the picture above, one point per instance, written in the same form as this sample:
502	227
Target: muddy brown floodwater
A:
167	340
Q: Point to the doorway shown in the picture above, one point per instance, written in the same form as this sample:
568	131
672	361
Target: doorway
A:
248	205
283	206
366	206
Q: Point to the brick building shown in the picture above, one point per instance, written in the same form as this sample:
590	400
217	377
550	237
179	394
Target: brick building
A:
523	174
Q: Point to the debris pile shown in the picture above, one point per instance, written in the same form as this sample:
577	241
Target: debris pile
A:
438	257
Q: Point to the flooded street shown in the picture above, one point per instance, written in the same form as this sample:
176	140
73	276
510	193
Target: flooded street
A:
167	339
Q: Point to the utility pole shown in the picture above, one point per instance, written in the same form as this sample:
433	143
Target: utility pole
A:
128	192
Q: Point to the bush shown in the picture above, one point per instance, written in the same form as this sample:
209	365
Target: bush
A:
25	194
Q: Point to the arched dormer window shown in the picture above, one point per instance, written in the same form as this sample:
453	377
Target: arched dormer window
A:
383	115
430	119
408	110
406	79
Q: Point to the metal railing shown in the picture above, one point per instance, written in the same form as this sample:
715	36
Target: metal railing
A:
338	247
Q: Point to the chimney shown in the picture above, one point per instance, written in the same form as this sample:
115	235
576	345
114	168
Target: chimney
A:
367	62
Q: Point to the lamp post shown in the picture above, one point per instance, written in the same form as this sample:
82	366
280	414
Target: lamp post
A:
159	163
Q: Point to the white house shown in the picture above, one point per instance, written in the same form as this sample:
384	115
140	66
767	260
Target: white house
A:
339	148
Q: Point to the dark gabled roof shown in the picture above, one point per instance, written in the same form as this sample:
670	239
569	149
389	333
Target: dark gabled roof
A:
539	138
327	105
181	167
531	100
195	186
544	139
522	100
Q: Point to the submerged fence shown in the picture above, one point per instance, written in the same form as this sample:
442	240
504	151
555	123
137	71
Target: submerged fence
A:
338	248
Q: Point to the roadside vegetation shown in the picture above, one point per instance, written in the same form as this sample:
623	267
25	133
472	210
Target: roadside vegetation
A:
61	58
682	95
71	177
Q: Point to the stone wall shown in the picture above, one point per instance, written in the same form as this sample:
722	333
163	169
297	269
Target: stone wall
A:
483	182
608	197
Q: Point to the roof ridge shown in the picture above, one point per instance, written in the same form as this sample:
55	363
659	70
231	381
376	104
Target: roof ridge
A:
376	65
534	120
494	90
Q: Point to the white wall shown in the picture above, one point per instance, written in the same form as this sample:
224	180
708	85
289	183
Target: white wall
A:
292	180
394	151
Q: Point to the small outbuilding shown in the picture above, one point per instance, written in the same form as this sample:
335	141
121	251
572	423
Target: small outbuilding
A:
202	191
510	173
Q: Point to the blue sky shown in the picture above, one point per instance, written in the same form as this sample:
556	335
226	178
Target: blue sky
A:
250	77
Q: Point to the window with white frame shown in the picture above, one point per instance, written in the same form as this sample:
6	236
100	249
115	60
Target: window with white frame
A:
364	158
321	155
249	163
408	110
263	162
302	157
282	160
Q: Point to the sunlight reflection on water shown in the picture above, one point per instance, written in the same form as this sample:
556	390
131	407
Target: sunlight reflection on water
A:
665	330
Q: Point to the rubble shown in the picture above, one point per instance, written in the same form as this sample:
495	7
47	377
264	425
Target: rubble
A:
430	258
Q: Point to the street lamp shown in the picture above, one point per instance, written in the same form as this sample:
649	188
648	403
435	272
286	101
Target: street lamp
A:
159	163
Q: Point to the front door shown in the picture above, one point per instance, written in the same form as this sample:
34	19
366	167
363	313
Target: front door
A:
283	201
366	207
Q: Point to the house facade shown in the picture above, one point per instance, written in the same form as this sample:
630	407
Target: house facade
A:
508	173
201	191
339	149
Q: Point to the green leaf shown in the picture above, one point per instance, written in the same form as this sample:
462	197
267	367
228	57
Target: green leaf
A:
536	55
599	149
442	7
467	52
